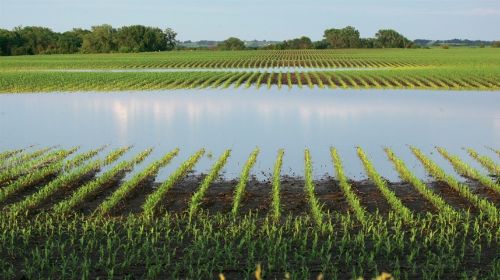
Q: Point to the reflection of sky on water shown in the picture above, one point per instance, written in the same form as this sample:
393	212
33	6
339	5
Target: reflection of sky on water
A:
243	119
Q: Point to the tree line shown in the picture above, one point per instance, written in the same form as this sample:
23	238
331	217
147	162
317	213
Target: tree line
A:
334	38
346	38
104	38
138	38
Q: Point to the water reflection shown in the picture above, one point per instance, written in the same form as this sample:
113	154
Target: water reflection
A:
242	119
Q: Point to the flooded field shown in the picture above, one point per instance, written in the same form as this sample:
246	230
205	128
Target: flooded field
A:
244	119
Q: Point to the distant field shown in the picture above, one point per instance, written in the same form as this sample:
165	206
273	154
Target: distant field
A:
461	68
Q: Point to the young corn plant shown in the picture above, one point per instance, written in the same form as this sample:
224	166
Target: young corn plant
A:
91	188
250	80
289	80
351	197
7	175
129	186
155	198
438	173
7	155
240	188
197	197
485	161
83	157
24	157
467	171
259	80
64	180
392	199
276	205
270	80
406	175
316	207
31	179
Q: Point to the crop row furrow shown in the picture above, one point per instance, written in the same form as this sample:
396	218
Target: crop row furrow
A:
64	180
91	188
131	185
439	174
467	171
154	199
213	174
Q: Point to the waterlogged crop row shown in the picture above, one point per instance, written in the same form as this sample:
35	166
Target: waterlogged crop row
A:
276	204
347	58
63	177
314	203
392	199
10	174
155	198
36	176
467	171
92	187
197	197
129	186
439	174
351	197
407	176
411	78
240	188
63	181
485	161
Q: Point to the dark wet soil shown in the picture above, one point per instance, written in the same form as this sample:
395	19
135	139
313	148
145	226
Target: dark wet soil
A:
257	197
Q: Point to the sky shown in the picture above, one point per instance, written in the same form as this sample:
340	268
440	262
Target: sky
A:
266	19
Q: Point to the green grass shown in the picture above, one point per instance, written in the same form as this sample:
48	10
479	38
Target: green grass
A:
468	69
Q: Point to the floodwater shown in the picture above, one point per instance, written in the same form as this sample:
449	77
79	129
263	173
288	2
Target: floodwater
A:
242	119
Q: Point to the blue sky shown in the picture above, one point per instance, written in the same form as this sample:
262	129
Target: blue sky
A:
266	19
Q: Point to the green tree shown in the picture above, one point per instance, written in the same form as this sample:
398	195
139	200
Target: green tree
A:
35	40
71	41
298	43
388	38
170	39
99	40
367	43
347	37
231	44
